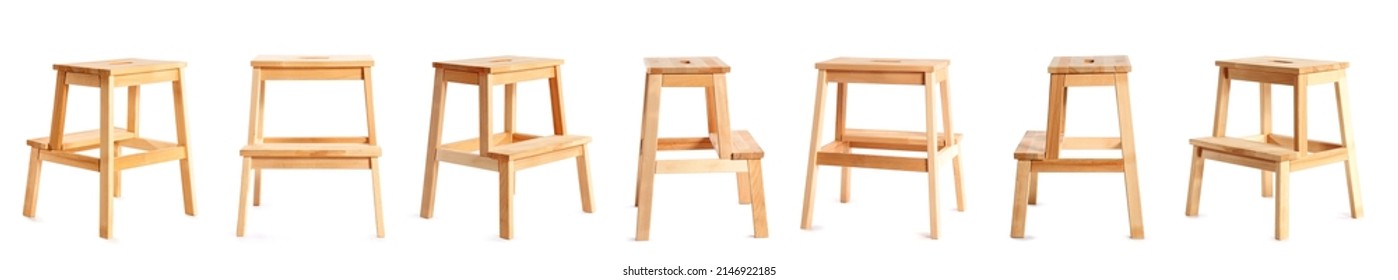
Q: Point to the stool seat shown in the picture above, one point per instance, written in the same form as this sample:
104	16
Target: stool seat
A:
119	66
497	64
1249	148
312	61
685	65
883	64
1282	64
80	140
1090	64
310	150
536	146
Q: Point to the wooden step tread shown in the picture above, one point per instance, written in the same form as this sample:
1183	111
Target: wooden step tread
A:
536	146
1031	147
744	146
79	140
915	138
1243	147
311	150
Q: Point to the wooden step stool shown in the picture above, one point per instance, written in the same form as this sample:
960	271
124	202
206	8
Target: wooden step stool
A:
307	152
737	151
1272	152
940	147
506	152
1038	151
63	148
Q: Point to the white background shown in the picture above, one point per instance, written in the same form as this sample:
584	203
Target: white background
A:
319	223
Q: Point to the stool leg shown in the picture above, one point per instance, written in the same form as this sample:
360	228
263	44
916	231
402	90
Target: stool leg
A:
931	111
1128	157
808	208
1196	183
841	96
243	196
107	162
257	187
1021	203
759	200
133	116
182	139
645	183
434	139
1283	194
507	198
31	188
60	110
949	136
1356	206
1266	116
724	133
116	180
1033	187
584	181
378	200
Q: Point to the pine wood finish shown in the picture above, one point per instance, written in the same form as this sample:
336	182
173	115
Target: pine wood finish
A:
737	151
1039	151
940	147
1275	153
506	152
261	152
62	147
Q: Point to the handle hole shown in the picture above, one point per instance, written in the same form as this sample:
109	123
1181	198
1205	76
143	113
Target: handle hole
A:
686	61
500	60
1282	61
120	63
887	60
1089	61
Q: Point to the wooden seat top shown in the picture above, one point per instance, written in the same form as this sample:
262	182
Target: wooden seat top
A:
1106	64
685	65
1282	64
1248	148
119	66
312	61
498	64
883	64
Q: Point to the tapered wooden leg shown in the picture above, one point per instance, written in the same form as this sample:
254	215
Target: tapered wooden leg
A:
507	199
107	162
1283	194
1128	157
841	97
744	188
434	139
844	184
645	183
949	136
1021	203
1196	183
1266	130
1356	205
243	196
808	208
584	181
931	106
378	200
1033	187
31	187
182	139
759	200
116	181
257	187
956	177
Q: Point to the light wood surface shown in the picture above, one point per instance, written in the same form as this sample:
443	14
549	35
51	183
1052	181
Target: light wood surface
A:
115	67
865	64
685	65
313	61
498	64
1090	64
1284	65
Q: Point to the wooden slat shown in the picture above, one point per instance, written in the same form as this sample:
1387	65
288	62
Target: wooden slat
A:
70	159
310	163
1091	143
541	159
1089	80
700	166
473	144
462	77
835	147
1078	165
1320	158
536	146
82	79
150	157
147	78
946	153
319	150
520	76
891	139
1323	78
145	144
745	147
873	161
688	80
466	158
320	140
1262	77
1031	146
1241	160
685	143
1246	148
82	140
896	78
313	74
1313	145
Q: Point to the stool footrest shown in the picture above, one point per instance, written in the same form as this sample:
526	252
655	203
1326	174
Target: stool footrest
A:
700	166
536	146
1244	147
891	139
311	150
78	141
152	156
838	154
